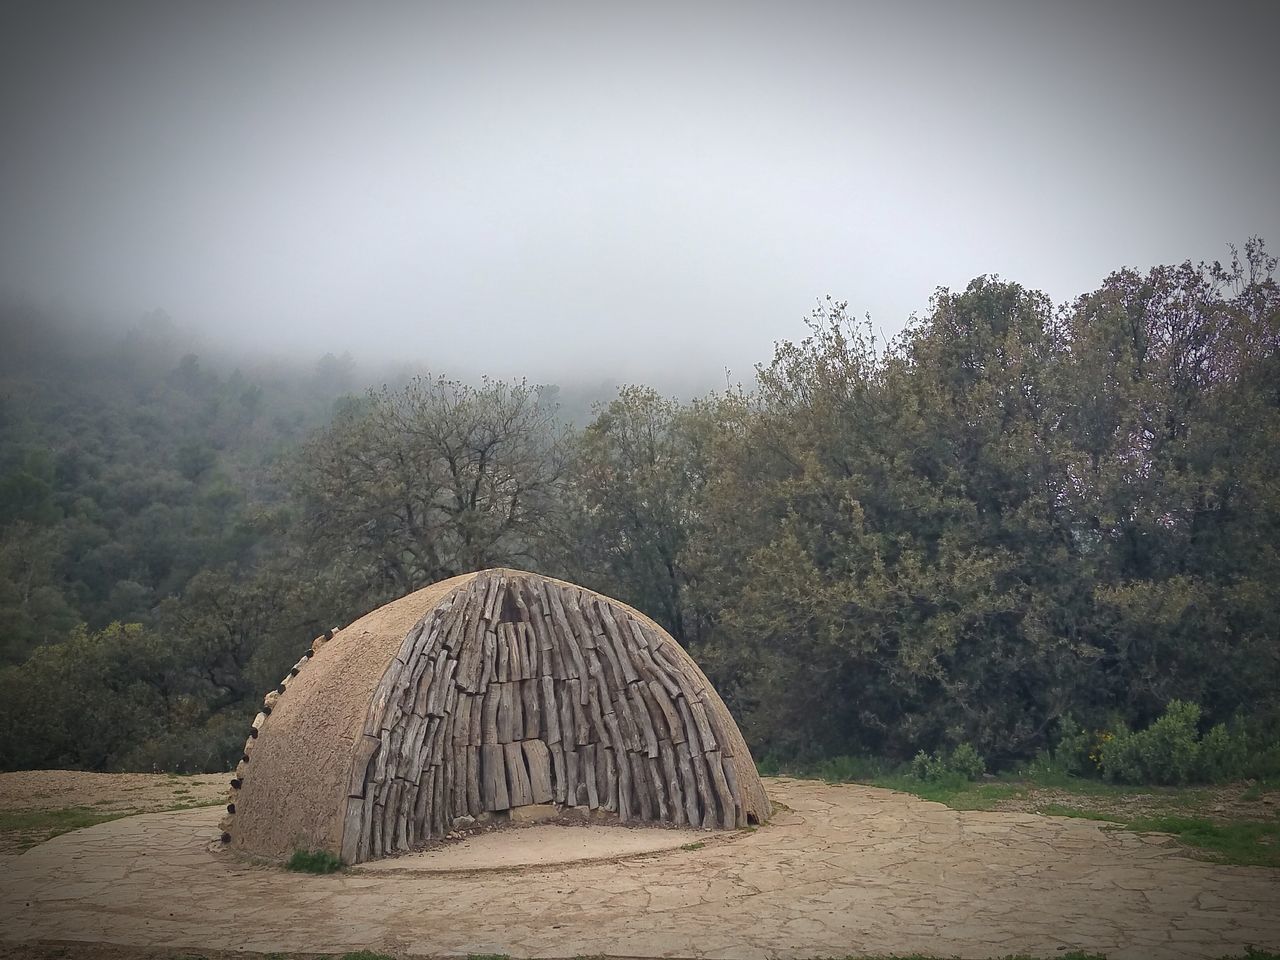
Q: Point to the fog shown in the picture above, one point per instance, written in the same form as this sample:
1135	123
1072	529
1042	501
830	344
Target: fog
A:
646	191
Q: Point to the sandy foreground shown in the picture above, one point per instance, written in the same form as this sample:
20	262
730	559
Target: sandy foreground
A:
842	869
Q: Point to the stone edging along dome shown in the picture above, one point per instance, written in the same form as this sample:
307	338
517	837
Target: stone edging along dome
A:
478	695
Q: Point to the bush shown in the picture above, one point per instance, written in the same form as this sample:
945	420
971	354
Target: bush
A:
1171	751
1224	754
1074	747
314	861
963	763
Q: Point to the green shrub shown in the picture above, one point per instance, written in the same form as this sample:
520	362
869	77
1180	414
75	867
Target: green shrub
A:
963	763
1171	750
967	762
314	861
1224	754
1075	743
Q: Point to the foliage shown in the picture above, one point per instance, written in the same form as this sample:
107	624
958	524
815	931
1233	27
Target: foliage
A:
963	762
418	484
1172	751
314	861
1020	527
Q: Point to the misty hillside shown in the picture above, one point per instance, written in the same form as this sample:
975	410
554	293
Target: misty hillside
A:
1013	518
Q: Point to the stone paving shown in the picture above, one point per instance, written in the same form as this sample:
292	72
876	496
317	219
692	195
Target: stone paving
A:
841	870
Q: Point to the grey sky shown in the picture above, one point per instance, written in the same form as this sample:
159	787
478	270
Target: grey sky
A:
634	189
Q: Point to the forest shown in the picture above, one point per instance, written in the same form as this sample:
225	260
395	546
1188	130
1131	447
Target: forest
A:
1015	521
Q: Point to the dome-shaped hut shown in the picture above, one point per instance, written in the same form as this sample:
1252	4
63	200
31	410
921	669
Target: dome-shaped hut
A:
478	695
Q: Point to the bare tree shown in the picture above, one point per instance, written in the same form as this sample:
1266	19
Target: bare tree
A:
437	478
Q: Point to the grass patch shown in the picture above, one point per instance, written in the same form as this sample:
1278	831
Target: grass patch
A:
1061	810
366	955
696	845
314	861
955	792
44	825
1245	844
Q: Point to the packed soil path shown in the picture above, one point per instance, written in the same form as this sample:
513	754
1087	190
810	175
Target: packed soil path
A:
841	870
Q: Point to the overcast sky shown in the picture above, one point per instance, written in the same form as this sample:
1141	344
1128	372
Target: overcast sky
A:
635	189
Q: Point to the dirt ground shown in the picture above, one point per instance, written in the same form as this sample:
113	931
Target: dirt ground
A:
109	792
71	796
841	870
1230	802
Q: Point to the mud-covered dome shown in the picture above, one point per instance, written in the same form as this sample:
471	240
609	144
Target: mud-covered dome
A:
478	695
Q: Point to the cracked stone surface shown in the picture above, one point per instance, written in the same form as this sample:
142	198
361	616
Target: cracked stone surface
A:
845	870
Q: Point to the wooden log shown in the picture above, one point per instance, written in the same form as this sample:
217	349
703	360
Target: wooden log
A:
442	688
381	698
735	789
577	700
601	732
609	797
391	826
706	792
658	784
631	737
587	774
461	718
494	588
550	710
651	668
533	654
614	678
437	801
348	850
517	711
568	728
716	718
547	636
523	669
366	748
724	796
690	728
493	768
644	724
379	774
573	601
538	759
640	780
506	713
475	779
670	715
705	733
571	776
671	780
477	721
409	645
504	654
532	709
667	666
488	665
517	589
378	815
489	721
558	771
575	664
625	799
688	784
617	639
521	792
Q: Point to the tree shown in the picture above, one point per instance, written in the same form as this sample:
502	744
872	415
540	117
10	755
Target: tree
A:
638	475
414	485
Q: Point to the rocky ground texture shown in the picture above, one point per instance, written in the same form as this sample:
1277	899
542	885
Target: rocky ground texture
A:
842	869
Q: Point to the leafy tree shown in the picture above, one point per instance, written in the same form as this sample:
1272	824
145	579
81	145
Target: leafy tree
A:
638	475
